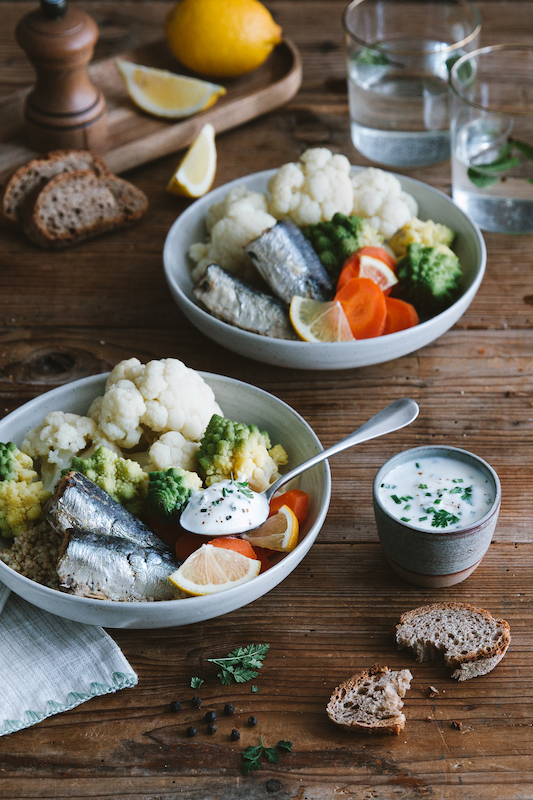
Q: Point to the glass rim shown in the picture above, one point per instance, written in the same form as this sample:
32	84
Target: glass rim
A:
472	35
479	52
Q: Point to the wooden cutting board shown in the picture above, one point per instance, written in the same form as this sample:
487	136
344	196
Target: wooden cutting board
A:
135	137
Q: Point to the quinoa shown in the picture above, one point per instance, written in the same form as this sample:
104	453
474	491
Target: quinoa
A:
34	554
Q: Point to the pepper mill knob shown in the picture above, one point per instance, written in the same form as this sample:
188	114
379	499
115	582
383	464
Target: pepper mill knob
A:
64	109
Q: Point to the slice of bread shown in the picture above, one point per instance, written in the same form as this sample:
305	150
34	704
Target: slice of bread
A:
77	205
371	701
31	177
471	640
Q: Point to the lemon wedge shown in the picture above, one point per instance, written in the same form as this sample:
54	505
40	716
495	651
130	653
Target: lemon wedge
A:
278	532
212	569
196	171
377	271
166	94
315	321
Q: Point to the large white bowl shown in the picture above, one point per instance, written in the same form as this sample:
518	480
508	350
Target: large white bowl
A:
239	401
433	204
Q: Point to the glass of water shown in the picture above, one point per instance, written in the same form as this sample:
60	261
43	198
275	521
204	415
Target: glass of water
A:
492	137
399	56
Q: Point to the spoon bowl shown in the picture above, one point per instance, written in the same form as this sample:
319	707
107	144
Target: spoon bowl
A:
231	507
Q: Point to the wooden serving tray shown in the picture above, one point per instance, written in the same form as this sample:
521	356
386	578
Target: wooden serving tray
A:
135	137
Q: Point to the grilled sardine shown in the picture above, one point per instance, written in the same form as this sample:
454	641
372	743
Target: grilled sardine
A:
239	303
289	265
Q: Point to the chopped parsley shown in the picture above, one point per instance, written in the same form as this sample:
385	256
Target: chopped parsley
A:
443	518
396	499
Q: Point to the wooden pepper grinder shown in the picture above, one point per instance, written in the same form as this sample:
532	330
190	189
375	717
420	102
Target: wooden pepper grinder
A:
64	109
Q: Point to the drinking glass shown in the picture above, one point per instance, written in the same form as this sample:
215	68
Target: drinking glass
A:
399	56
492	137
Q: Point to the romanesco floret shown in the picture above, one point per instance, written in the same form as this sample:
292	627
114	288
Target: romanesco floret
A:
169	490
417	231
336	240
124	480
428	277
22	496
233	449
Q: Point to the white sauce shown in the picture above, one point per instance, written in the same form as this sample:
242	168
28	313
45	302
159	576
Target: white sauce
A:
224	508
437	493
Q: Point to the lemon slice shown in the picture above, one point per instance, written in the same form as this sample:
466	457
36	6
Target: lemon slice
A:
377	271
212	569
196	171
279	532
315	321
166	94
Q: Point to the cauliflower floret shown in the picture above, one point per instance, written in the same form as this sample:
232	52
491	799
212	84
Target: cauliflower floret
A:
172	449
239	218
57	439
426	233
313	190
378	195
146	400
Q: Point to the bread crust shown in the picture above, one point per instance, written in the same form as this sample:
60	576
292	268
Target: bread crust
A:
397	683
465	665
29	179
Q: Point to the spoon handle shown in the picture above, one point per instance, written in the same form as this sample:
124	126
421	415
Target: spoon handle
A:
395	416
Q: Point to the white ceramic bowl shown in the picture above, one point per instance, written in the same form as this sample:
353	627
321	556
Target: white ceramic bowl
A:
433	204
239	401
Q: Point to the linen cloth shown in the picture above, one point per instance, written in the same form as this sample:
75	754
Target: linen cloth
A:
49	664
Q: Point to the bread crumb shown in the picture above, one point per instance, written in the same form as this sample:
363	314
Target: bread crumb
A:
432	691
457	725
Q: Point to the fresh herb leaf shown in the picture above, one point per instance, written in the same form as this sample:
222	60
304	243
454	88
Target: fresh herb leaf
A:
369	57
285	745
405	519
467	496
196	683
457	480
241	664
443	518
500	164
271	754
417	465
421	519
525	148
407	507
255	689
422	486
456	490
479	179
396	499
251	757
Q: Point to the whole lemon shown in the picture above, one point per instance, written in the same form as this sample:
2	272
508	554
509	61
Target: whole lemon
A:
221	38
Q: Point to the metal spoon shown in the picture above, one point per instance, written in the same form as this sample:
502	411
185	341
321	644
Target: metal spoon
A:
395	416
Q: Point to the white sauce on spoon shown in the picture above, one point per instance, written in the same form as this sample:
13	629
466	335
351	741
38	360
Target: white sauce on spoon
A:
437	493
224	508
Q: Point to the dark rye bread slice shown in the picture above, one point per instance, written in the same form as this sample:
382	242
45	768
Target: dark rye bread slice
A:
27	181
371	701
78	205
471	640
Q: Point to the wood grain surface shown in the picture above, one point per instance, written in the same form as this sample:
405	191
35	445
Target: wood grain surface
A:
75	313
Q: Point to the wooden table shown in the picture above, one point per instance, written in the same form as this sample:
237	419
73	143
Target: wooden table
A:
75	313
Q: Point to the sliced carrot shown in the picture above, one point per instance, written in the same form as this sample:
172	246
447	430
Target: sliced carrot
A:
400	315
350	268
364	306
234	543
187	544
295	499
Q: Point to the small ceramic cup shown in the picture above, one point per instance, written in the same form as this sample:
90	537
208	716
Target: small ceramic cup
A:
437	557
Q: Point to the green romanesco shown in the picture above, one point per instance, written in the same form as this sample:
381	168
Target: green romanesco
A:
336	240
123	479
428	277
22	495
169	490
417	231
233	449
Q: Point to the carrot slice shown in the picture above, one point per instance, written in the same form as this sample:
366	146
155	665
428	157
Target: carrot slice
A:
400	315
234	543
364	306
295	499
350	268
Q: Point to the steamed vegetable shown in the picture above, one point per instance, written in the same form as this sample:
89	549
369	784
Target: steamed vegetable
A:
426	233
336	240
123	480
169	491
428	277
22	495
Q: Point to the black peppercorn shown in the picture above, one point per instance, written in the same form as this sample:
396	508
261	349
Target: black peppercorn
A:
211	728
175	706
235	735
210	716
196	701
229	709
191	731
252	721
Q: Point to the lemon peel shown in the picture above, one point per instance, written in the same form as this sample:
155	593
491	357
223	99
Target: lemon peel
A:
212	569
316	321
196	171
166	94
278	532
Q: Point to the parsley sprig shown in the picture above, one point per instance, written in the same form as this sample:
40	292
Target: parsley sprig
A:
242	664
251	757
